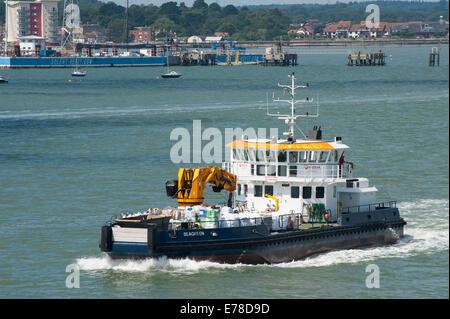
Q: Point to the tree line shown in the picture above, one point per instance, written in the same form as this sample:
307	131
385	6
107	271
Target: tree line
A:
264	22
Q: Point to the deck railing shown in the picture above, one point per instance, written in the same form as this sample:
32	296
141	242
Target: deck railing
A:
310	170
369	207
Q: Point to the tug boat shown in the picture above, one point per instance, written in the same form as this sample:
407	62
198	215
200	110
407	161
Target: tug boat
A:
288	199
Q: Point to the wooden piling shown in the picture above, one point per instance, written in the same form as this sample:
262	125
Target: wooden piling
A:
433	59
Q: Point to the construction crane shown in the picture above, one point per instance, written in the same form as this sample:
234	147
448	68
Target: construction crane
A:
191	183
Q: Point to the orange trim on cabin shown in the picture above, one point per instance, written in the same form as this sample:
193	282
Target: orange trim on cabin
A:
280	146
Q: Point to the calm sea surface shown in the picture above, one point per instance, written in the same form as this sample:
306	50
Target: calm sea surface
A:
72	154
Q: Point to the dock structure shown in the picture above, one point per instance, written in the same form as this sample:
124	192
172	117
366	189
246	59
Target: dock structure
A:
433	59
194	58
366	59
279	59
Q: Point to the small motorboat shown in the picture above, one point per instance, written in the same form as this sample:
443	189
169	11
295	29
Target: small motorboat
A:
171	74
3	80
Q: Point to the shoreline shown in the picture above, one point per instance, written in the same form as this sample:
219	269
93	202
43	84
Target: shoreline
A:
346	42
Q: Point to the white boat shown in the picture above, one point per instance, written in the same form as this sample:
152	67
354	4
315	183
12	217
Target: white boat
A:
77	72
3	80
170	74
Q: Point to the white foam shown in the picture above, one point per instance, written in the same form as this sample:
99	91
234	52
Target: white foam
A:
175	266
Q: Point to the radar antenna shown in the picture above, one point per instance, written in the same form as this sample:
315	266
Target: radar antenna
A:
289	119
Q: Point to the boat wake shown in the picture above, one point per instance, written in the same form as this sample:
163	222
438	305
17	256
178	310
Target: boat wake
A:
426	233
73	113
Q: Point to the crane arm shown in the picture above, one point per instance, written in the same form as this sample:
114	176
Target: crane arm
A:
191	183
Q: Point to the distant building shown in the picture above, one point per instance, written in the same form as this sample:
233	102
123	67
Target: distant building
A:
142	34
330	30
302	31
93	33
343	29
194	39
221	34
213	39
420	28
31	45
33	18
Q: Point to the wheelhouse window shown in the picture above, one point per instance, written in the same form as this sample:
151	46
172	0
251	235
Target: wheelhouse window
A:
282	156
271	170
270	156
334	156
306	194
282	170
295	192
261	170
258	190
260	156
268	189
245	190
239	189
293	157
320	192
251	155
293	170
312	157
245	154
303	156
323	157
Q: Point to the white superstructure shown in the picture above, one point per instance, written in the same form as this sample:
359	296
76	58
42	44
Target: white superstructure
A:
290	175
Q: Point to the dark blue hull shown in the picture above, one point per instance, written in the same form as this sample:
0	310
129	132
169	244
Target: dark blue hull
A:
254	244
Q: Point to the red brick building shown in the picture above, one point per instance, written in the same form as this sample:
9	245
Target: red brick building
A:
142	34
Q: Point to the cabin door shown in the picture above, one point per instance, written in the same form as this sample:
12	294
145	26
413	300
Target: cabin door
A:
287	202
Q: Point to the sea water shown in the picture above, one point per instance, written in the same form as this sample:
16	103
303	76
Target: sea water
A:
74	152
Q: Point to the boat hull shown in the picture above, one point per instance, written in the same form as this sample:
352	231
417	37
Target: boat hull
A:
268	248
169	76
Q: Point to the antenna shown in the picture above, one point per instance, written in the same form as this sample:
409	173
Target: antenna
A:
289	119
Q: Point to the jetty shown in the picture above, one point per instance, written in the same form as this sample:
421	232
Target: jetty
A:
279	59
366	59
197	58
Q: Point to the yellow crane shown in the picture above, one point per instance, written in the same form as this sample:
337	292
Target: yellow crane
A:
191	183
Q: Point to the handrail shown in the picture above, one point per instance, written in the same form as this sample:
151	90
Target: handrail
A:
307	170
379	205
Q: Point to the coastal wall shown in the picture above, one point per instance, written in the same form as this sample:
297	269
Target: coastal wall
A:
70	62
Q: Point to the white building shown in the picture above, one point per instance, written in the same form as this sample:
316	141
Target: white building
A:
213	39
30	43
36	18
194	39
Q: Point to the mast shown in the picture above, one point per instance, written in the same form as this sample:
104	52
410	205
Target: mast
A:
6	28
289	119
126	26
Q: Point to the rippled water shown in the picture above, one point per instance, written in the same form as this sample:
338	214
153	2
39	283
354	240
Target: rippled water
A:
74	153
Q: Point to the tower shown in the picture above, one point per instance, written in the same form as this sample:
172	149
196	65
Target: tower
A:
71	21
